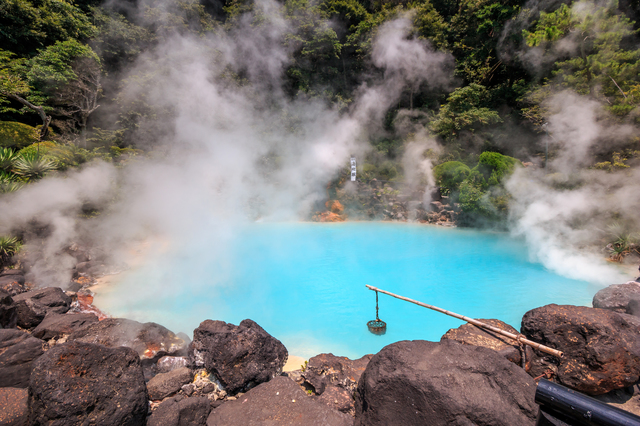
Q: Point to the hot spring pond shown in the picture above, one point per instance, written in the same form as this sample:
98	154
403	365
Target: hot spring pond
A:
305	283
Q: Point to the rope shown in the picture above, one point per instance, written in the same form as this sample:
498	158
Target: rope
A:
377	319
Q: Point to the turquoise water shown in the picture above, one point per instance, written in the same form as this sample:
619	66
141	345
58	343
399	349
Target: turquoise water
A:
305	283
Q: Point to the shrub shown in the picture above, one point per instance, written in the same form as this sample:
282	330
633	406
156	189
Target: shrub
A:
9	246
388	170
17	135
66	156
38	148
495	167
451	174
367	171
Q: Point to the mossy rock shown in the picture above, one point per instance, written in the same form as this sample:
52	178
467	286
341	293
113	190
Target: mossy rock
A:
17	135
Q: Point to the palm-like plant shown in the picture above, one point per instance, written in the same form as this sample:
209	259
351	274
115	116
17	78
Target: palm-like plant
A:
8	247
33	166
7	158
9	182
624	241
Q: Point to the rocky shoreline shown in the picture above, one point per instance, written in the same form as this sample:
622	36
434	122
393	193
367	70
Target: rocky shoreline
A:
63	362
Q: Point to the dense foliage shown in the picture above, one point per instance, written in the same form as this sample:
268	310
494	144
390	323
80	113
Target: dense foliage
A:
60	60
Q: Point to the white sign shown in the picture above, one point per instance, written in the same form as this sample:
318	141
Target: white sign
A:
353	169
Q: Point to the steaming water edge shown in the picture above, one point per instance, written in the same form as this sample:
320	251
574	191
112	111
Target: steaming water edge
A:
305	283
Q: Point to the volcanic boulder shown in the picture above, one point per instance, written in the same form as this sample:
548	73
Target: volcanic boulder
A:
339	399
469	334
239	357
78	383
329	370
56	325
427	383
617	297
34	305
601	348
165	384
14	407
8	311
279	402
12	281
18	350
181	411
149	340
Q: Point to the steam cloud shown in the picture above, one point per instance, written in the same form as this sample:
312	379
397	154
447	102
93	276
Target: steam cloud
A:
560	210
226	153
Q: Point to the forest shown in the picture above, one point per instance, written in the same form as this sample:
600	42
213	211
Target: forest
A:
551	84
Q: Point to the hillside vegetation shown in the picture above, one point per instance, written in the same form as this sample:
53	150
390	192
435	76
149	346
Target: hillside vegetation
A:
67	70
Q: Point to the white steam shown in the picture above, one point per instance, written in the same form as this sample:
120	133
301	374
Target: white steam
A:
559	210
230	147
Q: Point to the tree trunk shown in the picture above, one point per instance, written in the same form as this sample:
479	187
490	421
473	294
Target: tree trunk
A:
46	119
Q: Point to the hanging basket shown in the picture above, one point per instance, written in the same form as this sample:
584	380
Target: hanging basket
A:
377	326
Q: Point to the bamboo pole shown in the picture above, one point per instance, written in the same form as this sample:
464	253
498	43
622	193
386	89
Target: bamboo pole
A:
517	337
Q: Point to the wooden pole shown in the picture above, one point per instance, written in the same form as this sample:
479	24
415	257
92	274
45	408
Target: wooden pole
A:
517	337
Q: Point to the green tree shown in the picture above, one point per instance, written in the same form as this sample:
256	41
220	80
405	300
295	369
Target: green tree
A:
15	87
474	33
465	109
602	67
29	25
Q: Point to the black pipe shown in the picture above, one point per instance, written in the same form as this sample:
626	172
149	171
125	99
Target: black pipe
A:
580	409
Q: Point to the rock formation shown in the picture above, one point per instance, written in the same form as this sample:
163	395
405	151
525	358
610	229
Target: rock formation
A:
446	383
469	334
79	383
240	357
601	348
277	402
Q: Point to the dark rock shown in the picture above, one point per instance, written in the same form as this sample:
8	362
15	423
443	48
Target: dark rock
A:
279	402
34	305
427	383
329	370
150	340
627	399
79	252
634	307
18	350
166	384
184	412
14	407
188	389
170	363
8	311
13	283
78	383
617	297
436	206
208	388
56	325
601	348
10	276
6	272
338	399
469	334
239	357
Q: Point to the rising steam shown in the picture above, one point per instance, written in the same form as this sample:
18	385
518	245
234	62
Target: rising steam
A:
229	148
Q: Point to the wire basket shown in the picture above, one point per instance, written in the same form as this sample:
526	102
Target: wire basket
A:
377	326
